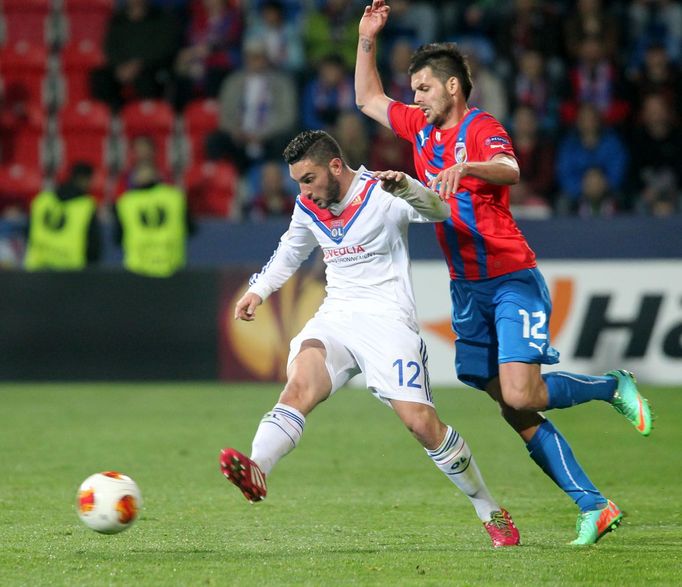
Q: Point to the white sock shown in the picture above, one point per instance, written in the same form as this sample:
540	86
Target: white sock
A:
454	458
278	434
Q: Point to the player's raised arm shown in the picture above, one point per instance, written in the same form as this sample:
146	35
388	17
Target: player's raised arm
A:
369	91
422	199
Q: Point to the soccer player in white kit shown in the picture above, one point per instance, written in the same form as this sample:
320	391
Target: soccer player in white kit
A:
367	322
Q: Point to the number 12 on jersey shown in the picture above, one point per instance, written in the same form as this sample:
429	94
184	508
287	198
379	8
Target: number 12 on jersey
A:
411	370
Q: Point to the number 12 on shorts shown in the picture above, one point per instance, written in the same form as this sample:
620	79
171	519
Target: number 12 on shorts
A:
410	370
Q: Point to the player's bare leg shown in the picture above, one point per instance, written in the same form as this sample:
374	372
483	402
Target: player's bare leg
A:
452	455
280	430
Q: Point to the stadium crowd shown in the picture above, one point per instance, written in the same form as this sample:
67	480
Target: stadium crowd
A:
210	91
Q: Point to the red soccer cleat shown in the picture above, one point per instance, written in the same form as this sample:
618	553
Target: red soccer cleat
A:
502	530
244	473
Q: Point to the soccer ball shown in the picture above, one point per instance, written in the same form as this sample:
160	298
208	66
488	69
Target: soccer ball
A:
108	502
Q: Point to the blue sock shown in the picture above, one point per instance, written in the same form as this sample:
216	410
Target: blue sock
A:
549	449
569	389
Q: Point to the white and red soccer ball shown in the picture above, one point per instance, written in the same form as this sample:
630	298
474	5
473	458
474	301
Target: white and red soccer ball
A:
108	502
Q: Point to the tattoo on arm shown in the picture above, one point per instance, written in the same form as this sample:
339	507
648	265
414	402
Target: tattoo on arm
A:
366	44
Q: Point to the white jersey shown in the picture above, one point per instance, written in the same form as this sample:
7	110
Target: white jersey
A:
364	241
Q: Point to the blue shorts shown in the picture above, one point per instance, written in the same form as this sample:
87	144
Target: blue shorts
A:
500	320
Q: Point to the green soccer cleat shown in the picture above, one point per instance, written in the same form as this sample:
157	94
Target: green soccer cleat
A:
628	401
591	526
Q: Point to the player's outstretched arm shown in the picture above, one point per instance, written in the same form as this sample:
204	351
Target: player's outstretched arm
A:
245	308
422	199
369	91
502	169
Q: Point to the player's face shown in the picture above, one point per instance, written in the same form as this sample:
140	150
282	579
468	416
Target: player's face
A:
317	182
432	97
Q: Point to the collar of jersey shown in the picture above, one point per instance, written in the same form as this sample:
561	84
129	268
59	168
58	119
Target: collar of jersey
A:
344	212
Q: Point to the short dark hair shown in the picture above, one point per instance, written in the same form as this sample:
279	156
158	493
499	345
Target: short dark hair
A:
446	61
316	145
81	169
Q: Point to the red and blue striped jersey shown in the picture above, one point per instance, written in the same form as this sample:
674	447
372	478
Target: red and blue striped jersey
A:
480	239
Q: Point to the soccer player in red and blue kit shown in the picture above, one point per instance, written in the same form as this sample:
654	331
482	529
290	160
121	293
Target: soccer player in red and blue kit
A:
500	302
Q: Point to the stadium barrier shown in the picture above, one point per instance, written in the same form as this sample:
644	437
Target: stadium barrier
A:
610	309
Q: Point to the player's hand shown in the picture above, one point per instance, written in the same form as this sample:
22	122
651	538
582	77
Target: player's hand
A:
391	181
245	308
445	184
374	18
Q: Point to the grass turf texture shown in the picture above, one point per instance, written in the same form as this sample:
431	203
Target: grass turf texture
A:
358	503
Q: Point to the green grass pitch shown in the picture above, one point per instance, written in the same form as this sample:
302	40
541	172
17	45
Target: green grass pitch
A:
357	503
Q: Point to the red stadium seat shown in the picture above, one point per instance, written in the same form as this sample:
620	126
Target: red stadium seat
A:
22	135
23	67
83	135
18	185
201	118
87	19
154	119
78	60
26	20
211	188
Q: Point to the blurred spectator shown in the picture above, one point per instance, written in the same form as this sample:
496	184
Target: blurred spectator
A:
596	198
654	22
389	152
258	111
396	79
528	25
332	28
273	197
351	133
532	195
591	18
657	74
140	45
489	92
282	37
293	10
588	146
152	225
213	49
478	18
595	79
327	95
534	88
143	152
412	20
64	234
656	155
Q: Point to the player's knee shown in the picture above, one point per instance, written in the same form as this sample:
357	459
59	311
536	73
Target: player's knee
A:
426	427
301	394
521	394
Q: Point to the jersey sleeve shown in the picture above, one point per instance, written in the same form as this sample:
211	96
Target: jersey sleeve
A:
423	204
294	247
406	121
492	139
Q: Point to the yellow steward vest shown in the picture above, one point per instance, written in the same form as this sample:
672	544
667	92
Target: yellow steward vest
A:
58	233
154	230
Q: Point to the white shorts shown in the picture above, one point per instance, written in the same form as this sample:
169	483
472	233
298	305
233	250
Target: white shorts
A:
391	355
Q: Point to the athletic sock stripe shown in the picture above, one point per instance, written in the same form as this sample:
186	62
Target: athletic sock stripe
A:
282	429
565	467
577	377
449	441
300	421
